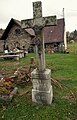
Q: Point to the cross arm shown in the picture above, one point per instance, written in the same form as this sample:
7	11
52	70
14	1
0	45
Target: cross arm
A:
50	20
27	23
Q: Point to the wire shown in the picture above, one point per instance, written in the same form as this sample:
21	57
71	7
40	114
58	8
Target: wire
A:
72	10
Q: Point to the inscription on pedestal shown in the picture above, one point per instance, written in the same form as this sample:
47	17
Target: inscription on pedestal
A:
41	84
45	75
42	97
41	81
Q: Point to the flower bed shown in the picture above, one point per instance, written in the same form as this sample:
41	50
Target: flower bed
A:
7	89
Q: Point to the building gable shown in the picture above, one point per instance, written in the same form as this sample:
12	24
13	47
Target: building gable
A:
14	36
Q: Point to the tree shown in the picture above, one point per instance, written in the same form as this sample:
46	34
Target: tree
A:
75	35
71	35
68	36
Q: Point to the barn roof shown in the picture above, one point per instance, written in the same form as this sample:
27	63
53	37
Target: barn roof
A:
9	26
54	33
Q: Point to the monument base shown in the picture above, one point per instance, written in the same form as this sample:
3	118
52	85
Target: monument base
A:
42	97
42	92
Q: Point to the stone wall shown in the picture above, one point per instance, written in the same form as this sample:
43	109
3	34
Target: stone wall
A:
1	45
18	38
1	41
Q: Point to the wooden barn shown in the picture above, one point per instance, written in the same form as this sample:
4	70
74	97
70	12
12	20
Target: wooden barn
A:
54	37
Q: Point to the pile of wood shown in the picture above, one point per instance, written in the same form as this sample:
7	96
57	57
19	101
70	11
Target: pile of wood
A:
23	74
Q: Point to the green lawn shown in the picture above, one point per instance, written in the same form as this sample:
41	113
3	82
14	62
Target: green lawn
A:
64	106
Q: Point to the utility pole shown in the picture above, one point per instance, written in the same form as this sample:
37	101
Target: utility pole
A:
63	14
65	42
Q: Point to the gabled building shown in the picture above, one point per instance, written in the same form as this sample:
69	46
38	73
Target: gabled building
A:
16	37
54	37
1	32
1	41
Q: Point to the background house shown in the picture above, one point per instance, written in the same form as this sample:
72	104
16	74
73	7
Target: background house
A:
1	32
16	37
1	41
54	37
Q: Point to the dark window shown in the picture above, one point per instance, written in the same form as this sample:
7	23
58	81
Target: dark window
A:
18	31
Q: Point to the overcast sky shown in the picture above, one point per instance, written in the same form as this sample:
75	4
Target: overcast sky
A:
22	9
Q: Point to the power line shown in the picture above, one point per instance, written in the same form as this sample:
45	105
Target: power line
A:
71	10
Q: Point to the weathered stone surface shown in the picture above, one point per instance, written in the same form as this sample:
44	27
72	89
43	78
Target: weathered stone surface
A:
50	20
42	89
45	75
38	19
43	85
42	97
21	40
1	45
17	40
37	9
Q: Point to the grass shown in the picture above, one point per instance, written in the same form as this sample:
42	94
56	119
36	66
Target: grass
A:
64	106
72	48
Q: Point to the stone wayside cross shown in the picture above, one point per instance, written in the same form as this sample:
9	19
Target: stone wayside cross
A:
38	23
42	92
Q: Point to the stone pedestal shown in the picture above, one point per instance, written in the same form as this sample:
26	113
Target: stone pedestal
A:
42	92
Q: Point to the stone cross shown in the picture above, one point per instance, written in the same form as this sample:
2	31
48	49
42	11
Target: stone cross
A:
37	24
